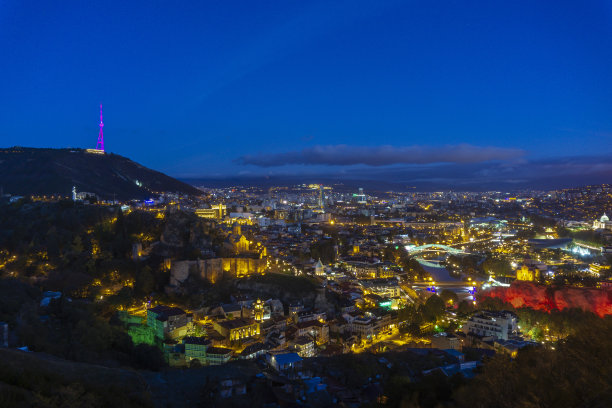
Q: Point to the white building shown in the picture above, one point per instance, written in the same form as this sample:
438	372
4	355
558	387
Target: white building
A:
382	287
603	223
360	325
500	325
318	268
263	222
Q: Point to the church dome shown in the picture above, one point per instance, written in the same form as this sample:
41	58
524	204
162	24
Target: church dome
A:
604	218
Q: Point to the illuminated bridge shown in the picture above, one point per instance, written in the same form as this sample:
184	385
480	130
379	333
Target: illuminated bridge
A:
433	248
413	250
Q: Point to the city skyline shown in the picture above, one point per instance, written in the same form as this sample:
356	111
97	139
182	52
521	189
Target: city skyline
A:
455	95
295	203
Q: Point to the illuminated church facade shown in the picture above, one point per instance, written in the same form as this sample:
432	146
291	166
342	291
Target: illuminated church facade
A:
603	223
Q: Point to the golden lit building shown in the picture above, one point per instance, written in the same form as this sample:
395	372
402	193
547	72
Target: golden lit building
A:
213	269
237	243
603	223
258	310
526	273
237	329
596	269
214	212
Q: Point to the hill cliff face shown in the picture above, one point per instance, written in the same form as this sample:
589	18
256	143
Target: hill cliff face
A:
30	171
547	298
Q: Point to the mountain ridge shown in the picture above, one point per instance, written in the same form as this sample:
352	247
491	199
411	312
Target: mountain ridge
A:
48	171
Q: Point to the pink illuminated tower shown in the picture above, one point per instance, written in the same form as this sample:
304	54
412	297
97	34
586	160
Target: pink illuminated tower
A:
100	145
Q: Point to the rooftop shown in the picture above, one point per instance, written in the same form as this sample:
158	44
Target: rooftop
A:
252	348
163	311
235	323
218	351
302	340
310	323
287	358
196	340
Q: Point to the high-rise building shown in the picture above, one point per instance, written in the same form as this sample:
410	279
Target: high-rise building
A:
321	198
360	197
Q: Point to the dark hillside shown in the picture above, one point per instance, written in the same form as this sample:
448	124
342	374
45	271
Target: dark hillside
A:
29	171
39	380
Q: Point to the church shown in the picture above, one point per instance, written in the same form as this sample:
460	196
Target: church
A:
237	242
603	223
526	273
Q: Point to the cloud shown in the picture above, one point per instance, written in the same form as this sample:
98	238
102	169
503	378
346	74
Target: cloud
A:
535	173
509	175
344	155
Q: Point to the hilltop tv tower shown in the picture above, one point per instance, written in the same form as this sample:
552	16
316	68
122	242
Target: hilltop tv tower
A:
100	145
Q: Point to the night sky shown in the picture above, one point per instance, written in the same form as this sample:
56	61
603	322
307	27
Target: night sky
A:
455	93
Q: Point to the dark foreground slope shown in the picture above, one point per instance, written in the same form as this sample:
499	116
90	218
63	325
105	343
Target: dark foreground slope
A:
29	171
38	380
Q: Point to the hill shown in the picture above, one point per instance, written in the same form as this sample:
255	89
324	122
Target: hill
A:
39	380
31	171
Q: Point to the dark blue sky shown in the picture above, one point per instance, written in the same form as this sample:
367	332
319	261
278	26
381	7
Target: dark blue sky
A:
454	91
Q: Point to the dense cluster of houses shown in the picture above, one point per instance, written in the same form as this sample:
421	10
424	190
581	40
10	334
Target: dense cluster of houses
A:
248	328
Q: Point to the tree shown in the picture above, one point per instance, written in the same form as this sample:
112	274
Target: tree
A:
148	357
120	229
496	266
491	303
433	308
467	263
413	267
145	282
77	245
526	233
574	374
123	298
408	314
465	307
449	297
562	231
324	250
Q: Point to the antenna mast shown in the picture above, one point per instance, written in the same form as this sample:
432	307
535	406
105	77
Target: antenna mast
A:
100	145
